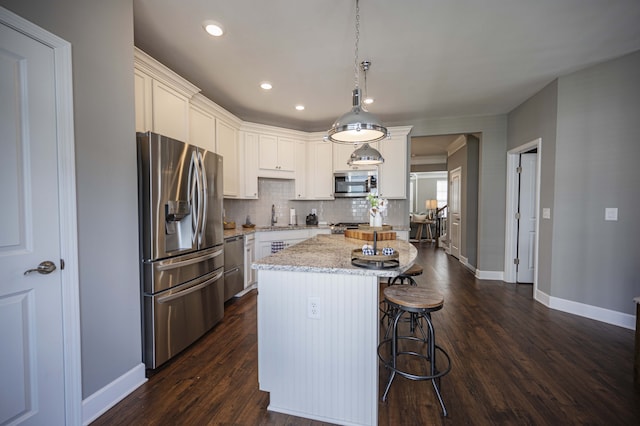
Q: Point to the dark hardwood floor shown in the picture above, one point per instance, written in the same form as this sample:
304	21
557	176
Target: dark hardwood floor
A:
514	362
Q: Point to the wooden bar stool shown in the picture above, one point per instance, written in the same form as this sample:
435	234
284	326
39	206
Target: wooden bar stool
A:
421	302
413	271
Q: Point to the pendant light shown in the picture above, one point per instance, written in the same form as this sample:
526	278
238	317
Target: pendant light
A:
357	125
365	156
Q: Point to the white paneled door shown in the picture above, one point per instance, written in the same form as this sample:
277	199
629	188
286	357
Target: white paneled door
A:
455	211
32	348
527	218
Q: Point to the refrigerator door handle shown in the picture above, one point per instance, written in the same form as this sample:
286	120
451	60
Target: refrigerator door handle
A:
204	189
170	297
194	196
172	264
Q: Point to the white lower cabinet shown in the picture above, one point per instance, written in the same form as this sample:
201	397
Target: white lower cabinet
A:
249	258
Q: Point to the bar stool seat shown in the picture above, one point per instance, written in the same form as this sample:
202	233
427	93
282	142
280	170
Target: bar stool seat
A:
408	275
413	271
421	302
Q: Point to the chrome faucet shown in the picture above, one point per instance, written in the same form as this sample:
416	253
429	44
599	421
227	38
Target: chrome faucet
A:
274	219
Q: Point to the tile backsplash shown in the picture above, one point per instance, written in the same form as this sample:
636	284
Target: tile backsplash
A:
280	193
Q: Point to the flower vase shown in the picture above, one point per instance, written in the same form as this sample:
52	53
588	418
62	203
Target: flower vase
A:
375	218
377	221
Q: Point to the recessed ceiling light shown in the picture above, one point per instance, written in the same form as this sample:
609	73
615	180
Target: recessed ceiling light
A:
368	101
213	28
266	85
300	107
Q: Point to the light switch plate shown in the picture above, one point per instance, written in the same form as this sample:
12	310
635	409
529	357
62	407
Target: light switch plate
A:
546	213
611	213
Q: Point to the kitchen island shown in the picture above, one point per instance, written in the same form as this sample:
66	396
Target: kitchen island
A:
318	332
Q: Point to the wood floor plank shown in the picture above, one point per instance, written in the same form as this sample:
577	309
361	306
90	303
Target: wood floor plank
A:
514	361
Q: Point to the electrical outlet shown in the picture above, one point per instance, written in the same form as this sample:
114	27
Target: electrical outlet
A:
314	211
313	308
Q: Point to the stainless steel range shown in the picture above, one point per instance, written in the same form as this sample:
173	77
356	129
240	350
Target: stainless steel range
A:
339	228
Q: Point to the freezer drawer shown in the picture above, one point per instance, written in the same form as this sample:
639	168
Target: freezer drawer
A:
178	317
163	274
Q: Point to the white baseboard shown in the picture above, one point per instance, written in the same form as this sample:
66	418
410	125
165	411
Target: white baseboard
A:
490	275
99	402
588	311
246	290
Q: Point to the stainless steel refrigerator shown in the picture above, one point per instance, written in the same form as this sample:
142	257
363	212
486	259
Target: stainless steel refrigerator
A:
181	244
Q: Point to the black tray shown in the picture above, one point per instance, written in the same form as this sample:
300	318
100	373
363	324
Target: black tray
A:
376	264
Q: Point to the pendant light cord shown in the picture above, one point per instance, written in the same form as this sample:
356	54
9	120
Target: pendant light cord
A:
355	62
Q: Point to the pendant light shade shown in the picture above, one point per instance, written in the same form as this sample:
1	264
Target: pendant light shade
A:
357	125
365	155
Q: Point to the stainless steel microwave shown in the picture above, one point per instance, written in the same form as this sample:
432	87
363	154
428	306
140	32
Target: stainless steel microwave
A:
354	184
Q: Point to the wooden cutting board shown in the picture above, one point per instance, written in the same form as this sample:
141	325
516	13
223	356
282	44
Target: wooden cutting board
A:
362	227
361	234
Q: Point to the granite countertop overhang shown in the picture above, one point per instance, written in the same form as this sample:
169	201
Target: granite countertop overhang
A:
230	233
332	254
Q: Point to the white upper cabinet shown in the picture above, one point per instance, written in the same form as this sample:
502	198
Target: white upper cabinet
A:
166	103
393	174
142	98
342	153
249	167
161	98
301	166
227	146
202	128
319	170
170	112
276	154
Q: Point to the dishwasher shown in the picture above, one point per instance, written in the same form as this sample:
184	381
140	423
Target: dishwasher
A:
233	266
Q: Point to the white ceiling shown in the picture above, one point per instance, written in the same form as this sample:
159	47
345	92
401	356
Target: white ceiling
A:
430	58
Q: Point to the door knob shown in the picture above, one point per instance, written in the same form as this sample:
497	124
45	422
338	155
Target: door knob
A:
45	267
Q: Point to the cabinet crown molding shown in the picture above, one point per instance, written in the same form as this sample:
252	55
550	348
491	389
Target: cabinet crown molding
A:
160	72
200	101
265	129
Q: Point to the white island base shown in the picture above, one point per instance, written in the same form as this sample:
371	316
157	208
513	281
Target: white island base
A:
317	345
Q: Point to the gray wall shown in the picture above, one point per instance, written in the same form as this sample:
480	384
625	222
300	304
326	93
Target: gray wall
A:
101	34
473	165
467	158
597	152
537	118
426	189
588	122
491	179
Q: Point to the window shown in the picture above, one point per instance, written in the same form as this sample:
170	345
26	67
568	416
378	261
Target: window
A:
441	193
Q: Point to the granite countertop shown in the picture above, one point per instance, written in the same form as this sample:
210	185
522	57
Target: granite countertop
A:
332	254
230	233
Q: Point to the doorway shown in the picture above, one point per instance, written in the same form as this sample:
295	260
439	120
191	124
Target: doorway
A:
527	193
